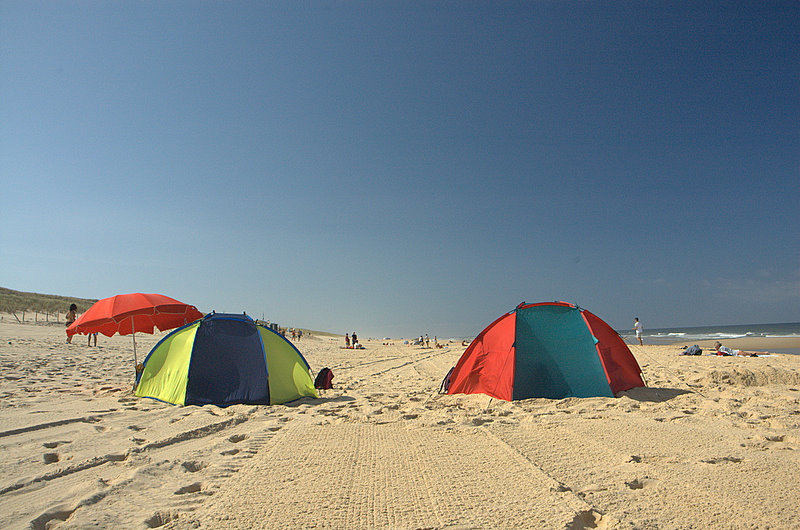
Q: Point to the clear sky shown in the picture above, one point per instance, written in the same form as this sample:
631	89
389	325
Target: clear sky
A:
398	168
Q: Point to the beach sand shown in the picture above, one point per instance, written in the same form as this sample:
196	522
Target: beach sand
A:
712	442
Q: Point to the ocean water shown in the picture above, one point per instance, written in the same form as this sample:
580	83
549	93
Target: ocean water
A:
692	334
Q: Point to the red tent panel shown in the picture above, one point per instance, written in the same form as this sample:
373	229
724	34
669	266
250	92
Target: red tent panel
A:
622	370
487	366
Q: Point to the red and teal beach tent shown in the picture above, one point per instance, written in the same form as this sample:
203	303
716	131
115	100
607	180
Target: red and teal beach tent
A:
549	350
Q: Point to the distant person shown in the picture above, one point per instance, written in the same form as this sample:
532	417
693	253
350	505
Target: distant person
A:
427	341
299	334
72	316
637	327
346	340
724	350
90	337
354	339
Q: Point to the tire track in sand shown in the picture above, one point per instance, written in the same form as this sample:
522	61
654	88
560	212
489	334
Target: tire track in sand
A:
364	475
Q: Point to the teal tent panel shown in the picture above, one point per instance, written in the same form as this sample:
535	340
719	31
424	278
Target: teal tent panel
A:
556	355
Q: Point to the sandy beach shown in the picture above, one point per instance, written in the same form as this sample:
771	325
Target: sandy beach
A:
712	442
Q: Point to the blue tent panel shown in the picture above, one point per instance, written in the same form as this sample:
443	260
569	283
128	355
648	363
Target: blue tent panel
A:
551	361
227	365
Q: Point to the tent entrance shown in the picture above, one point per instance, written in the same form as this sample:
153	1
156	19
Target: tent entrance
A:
551	362
227	365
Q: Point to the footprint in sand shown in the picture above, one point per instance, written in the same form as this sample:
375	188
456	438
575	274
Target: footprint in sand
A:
158	520
50	458
722	460
193	466
639	483
230	452
135	428
53	445
191	488
236	438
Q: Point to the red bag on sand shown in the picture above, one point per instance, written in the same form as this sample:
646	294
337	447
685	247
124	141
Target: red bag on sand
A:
324	379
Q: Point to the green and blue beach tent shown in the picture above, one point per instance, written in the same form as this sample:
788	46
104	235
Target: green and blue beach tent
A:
549	350
225	359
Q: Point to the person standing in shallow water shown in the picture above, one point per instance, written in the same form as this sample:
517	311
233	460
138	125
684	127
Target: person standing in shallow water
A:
637	327
72	316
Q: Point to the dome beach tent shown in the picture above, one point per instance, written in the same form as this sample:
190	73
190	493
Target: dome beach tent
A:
549	350
225	359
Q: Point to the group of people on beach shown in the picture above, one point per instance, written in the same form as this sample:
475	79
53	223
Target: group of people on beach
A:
718	347
351	341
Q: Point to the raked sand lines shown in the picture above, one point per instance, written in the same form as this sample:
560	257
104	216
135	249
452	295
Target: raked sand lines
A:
363	475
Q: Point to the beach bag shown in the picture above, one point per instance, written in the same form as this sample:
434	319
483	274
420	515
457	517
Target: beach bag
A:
324	380
445	386
693	350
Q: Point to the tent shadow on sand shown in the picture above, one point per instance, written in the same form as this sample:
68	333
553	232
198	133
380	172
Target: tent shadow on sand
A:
654	395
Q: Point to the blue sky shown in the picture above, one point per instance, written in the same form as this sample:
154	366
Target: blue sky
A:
398	168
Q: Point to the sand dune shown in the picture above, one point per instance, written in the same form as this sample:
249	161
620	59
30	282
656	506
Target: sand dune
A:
712	442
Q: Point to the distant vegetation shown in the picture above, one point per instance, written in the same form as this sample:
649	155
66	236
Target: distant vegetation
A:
18	302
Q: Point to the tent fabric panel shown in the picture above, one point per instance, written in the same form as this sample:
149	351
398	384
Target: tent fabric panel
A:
289	376
556	354
487	365
620	365
227	365
166	368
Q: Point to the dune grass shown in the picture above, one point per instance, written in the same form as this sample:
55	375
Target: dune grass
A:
18	303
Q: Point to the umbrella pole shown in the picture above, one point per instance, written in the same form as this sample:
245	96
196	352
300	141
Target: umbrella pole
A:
135	360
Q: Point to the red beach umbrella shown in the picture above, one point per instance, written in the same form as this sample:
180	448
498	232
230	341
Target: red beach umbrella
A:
128	313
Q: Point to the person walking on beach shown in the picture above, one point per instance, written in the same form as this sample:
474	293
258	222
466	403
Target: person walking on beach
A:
346	340
637	327
72	316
